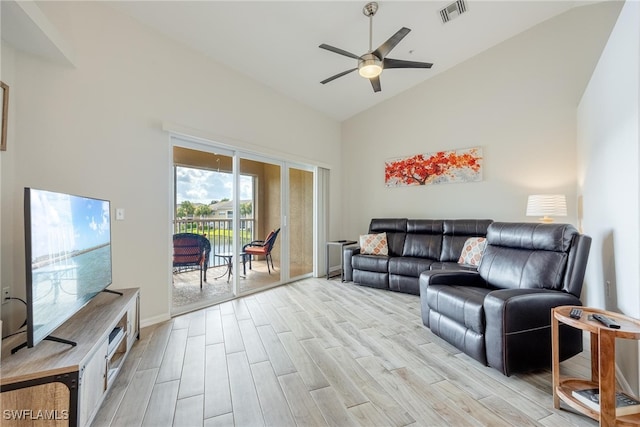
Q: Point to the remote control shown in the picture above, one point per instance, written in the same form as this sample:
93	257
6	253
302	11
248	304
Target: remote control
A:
575	313
606	321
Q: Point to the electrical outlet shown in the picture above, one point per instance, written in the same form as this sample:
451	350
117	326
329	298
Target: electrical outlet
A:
6	294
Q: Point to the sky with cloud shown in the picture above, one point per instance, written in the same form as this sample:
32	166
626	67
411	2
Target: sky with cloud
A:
62	223
205	186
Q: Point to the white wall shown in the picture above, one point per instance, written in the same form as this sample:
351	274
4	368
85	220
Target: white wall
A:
608	178
7	166
96	130
517	101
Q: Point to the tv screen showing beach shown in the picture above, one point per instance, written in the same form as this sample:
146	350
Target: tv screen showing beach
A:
69	246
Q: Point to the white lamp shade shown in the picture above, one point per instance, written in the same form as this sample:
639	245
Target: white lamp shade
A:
547	205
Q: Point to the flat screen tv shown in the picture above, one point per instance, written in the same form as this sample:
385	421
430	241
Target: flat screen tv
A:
68	258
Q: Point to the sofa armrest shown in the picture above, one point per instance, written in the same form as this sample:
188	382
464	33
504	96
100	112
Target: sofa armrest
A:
518	328
347	253
522	309
451	277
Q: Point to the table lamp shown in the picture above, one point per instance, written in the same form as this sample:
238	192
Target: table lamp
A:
546	206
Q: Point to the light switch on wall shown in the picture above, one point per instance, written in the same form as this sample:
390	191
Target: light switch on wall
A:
120	214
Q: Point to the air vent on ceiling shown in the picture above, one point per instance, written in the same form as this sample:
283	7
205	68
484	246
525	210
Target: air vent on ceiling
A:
454	10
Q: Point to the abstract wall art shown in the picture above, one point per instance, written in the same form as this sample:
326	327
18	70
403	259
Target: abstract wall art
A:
464	165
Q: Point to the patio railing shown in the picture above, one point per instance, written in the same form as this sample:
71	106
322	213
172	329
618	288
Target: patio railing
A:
219	233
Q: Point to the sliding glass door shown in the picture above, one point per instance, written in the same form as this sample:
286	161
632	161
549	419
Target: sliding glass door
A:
257	214
300	221
203	205
261	256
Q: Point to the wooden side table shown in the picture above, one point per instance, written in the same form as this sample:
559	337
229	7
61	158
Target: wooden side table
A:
341	244
603	358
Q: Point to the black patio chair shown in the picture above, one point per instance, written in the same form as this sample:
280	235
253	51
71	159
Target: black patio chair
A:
191	250
261	247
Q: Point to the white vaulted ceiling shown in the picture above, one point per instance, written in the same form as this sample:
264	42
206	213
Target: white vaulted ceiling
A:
276	43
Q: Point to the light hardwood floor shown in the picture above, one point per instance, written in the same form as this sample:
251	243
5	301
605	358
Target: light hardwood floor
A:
187	294
316	353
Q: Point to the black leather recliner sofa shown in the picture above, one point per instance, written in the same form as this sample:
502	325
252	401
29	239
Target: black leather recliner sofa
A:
415	245
501	314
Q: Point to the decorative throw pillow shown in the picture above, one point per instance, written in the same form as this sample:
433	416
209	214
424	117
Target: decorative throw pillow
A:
472	251
374	244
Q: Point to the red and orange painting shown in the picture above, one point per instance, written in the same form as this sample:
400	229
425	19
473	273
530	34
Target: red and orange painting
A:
442	167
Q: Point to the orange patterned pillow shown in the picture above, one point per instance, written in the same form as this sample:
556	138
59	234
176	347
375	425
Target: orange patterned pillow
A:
374	244
472	251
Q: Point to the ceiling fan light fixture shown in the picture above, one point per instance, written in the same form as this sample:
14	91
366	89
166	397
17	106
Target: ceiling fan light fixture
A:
369	66
370	71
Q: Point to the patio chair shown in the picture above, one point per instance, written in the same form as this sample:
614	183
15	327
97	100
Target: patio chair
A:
191	250
261	247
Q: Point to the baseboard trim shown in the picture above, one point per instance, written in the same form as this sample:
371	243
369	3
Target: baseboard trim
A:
153	320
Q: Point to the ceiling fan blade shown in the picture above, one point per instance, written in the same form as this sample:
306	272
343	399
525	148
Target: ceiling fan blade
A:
338	51
325	81
399	63
386	47
375	82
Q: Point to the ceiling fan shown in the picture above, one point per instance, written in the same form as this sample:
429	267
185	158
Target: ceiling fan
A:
371	64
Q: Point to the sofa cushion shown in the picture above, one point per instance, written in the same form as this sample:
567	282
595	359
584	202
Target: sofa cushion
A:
472	251
532	236
424	239
372	279
455	234
526	255
462	304
396	225
396	229
408	266
467	340
422	246
404	284
508	268
376	263
425	226
374	244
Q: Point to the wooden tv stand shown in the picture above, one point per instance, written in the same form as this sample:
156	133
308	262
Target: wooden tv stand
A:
54	384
